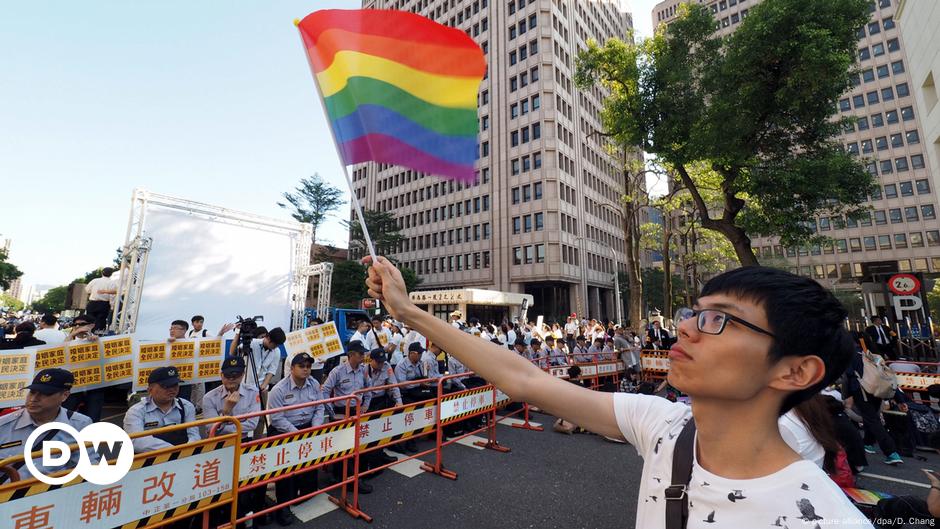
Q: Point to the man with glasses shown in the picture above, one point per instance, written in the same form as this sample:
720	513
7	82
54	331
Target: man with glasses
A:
759	342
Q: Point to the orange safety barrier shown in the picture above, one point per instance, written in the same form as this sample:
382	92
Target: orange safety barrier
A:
259	474
157	472
454	407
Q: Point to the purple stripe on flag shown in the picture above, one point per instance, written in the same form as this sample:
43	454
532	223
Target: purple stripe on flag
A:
386	149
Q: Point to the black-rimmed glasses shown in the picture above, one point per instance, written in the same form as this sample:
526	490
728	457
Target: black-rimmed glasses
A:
713	321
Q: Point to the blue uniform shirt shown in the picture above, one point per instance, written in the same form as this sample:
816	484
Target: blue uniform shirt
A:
286	393
15	428
145	415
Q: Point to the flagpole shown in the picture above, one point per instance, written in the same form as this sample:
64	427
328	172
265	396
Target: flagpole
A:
349	183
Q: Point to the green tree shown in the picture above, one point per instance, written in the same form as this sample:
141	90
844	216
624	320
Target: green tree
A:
653	293
383	229
349	284
412	281
8	302
755	107
8	271
312	201
53	301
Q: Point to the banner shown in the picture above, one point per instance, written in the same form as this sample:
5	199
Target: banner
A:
319	341
17	369
95	364
180	483
196	359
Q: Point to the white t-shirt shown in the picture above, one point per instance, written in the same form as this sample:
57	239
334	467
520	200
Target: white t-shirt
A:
367	340
50	336
801	492
98	284
571	328
797	435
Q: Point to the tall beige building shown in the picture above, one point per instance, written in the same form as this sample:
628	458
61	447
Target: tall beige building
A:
918	21
903	231
544	218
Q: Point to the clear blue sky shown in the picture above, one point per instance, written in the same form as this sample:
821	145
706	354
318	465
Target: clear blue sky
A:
208	100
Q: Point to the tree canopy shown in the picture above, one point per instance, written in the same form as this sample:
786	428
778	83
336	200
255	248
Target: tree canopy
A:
312	201
8	271
756	107
383	229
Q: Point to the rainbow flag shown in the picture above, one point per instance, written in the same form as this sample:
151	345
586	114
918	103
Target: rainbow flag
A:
398	88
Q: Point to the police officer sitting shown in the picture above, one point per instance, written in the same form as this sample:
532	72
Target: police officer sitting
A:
229	399
412	368
298	388
233	398
381	374
162	407
43	404
348	378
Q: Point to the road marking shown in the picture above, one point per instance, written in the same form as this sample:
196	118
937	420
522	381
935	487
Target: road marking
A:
896	480
314	508
408	468
511	421
470	439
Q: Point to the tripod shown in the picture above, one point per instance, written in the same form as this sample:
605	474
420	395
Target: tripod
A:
244	349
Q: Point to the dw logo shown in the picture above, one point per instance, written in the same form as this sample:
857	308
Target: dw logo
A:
107	440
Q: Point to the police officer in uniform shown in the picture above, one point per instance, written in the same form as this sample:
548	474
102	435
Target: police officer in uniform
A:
346	379
381	374
43	404
413	368
162	407
298	388
233	398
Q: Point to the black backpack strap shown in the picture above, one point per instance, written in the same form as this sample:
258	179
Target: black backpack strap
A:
677	498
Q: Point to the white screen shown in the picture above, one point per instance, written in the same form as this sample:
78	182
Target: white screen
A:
214	268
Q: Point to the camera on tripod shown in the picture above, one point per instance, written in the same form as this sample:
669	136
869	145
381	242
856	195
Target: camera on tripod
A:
248	327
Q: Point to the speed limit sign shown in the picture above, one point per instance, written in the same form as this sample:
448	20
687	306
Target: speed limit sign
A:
903	284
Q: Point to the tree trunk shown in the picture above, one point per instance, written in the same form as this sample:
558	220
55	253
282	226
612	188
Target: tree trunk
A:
667	268
739	240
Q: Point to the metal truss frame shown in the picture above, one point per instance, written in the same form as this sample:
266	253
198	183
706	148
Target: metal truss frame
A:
137	246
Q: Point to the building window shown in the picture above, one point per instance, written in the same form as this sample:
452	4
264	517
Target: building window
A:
894	45
917	240
923	187
539	253
891	117
539	221
870	243
872	97
887	94
528	255
881	218
900	240
891	191
897	67
903	90
877	120
928	212
537	190
516	225
933	238
917	161
527	223
910	214
515	195
900	164
884	242
858	101
895	215
907	189
517	255
855	244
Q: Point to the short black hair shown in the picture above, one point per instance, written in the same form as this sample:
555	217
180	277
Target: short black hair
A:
805	318
181	323
277	335
107	271
49	319
197	318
